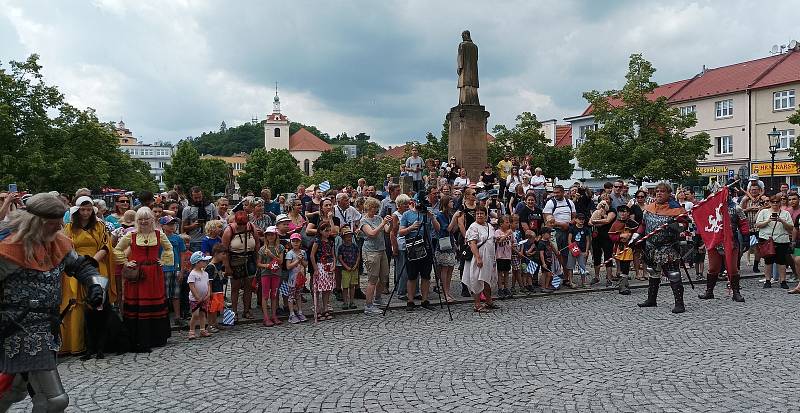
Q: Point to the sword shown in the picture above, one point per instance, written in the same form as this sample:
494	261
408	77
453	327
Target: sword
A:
686	270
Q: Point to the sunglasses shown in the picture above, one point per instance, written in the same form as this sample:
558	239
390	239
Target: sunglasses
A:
617	186
123	201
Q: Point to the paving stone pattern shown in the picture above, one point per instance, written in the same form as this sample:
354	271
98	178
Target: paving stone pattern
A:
573	352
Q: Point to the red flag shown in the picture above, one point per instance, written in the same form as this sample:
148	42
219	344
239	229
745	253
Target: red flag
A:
713	221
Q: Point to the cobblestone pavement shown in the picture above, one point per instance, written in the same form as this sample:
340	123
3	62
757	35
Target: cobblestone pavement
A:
573	352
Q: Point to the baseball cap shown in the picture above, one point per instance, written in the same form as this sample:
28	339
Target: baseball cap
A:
167	219
754	177
295	236
580	215
282	218
198	256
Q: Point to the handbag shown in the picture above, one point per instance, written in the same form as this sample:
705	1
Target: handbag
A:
445	244
132	274
416	249
767	248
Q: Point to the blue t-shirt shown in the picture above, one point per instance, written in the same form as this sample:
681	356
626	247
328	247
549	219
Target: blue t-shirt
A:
178	247
410	217
580	236
208	244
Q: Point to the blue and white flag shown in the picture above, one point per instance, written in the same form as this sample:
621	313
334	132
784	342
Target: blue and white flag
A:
324	186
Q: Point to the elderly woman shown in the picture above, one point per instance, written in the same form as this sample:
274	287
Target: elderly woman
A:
775	223
539	185
222	210
480	273
90	237
241	240
145	305
376	264
122	204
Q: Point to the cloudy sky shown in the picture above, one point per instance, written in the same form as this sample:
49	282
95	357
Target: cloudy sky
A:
176	68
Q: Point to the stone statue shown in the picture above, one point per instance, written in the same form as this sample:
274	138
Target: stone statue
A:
467	71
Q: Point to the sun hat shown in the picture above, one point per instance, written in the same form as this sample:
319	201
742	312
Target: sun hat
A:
80	201
282	218
198	256
271	230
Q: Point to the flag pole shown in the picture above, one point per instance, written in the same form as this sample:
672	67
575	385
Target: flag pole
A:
663	226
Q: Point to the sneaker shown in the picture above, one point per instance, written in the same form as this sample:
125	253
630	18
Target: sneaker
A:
353	306
301	317
345	306
785	285
767	284
402	297
293	319
372	310
427	305
410	306
418	297
212	329
609	283
378	301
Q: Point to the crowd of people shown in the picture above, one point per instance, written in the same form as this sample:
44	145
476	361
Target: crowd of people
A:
173	257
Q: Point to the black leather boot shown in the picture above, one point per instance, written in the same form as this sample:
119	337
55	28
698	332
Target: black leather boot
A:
677	291
711	281
652	293
737	295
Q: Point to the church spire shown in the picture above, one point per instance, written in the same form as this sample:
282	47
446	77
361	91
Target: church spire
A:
276	102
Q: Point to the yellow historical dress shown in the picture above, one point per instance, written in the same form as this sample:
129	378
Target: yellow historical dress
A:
86	243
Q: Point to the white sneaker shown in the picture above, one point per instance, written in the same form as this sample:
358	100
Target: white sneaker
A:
372	310
293	319
377	301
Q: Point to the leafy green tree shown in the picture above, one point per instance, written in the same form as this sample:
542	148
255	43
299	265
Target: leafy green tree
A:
329	159
527	139
187	170
640	136
276	169
225	142
47	144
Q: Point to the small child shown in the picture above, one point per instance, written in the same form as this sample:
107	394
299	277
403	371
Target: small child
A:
529	251
268	261
580	234
297	265
323	259
620	234
213	230
216	273
348	255
504	238
199	294
544	255
172	273
516	256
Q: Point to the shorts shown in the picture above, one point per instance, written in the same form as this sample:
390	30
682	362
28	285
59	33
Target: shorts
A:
419	269
270	285
515	262
198	305
445	258
503	265
579	261
349	278
376	265
217	303
171	287
601	248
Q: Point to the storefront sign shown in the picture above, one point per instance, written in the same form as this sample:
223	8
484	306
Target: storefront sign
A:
781	168
712	170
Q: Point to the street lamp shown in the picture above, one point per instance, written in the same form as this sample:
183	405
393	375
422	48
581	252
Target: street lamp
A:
774	144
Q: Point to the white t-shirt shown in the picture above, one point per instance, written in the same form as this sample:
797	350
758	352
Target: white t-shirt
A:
200	280
348	216
561	210
538	182
461	182
414	167
688	205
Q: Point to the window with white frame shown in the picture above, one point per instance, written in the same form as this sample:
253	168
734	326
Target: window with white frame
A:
783	100
724	145
685	110
724	108
787	139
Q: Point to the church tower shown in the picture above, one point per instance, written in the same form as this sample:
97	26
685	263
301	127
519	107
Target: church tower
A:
276	126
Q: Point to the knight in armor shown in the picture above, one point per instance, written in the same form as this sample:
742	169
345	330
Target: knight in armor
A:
33	255
716	256
662	253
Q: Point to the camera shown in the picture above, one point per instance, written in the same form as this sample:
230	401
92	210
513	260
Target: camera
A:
423	205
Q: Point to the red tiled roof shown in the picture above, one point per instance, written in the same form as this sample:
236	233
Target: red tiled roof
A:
304	140
398	152
726	79
665	90
489	137
785	71
563	135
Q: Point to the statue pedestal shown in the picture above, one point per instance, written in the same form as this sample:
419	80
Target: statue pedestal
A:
467	139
